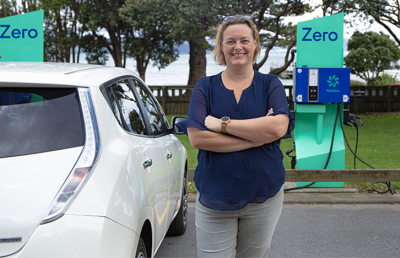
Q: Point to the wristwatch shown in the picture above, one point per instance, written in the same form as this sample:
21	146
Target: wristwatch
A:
224	122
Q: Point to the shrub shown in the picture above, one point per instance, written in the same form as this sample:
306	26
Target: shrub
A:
383	80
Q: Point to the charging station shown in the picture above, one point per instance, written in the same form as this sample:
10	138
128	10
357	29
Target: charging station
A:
321	86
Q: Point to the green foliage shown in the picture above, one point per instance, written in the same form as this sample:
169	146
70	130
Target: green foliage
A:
274	32
8	8
384	80
356	83
383	12
62	31
370	54
362	12
194	17
95	51
150	35
100	16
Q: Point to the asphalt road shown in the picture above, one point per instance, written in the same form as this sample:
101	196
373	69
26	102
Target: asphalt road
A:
321	230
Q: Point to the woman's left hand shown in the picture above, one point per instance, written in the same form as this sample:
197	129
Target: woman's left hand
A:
212	123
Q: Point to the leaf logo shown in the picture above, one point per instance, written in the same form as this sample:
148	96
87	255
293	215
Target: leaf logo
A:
333	81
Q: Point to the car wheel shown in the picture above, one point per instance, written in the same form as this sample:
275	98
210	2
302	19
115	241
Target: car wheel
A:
178	225
141	249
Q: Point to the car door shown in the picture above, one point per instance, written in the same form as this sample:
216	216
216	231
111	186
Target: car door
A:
148	161
170	143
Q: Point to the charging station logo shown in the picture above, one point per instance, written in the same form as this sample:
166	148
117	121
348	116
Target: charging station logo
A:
333	81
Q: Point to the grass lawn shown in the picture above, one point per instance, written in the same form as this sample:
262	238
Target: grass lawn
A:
378	145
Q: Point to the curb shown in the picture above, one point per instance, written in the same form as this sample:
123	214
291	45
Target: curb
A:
334	198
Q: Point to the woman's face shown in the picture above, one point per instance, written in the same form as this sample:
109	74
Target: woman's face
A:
238	45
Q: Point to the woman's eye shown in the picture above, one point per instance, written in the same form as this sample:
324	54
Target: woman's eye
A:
245	41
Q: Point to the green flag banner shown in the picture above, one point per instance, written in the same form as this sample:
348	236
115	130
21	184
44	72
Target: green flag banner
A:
21	37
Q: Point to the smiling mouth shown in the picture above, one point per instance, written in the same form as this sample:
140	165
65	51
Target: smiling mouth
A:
238	54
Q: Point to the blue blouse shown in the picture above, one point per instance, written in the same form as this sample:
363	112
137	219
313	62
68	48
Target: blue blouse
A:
229	181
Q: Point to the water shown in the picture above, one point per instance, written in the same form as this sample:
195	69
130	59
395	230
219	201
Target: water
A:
177	73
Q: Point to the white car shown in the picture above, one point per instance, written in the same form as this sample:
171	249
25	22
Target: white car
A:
89	166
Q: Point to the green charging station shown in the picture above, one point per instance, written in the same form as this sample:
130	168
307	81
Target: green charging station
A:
21	37
320	46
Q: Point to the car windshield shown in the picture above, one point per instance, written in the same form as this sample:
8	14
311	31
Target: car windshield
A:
35	120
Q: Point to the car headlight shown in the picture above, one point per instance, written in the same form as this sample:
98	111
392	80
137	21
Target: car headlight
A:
82	169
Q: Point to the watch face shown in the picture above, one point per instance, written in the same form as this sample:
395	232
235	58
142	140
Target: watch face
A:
225	119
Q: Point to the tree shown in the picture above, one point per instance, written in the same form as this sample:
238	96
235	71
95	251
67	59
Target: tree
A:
62	32
8	8
268	16
14	7
149	33
192	22
384	12
370	54
330	7
102	17
199	16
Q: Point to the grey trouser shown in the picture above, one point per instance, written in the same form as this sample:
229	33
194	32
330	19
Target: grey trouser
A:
239	233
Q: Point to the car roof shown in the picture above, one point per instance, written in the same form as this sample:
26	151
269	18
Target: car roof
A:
61	74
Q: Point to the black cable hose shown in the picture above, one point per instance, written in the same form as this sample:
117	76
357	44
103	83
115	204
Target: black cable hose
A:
344	135
390	187
330	151
355	151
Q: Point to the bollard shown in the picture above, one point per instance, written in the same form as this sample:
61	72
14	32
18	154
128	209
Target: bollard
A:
359	101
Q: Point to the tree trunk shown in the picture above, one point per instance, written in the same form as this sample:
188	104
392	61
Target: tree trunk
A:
116	46
197	59
140	68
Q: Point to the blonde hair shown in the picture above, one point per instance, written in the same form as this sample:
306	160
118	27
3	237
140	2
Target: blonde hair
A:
217	52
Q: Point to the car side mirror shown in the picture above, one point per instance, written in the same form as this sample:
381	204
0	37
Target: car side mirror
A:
174	129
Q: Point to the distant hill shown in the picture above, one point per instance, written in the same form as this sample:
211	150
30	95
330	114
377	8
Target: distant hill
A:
185	49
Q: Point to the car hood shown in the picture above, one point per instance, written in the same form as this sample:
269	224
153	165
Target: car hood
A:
28	185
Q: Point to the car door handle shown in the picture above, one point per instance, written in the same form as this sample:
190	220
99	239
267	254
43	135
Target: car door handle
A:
168	155
147	163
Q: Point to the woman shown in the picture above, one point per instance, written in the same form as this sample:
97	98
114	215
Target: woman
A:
236	119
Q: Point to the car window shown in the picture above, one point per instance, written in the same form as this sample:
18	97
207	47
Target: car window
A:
150	110
128	106
114	105
36	120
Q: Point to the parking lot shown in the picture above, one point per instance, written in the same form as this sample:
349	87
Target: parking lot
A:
321	230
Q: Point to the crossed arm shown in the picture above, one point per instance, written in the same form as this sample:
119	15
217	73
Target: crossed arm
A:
241	134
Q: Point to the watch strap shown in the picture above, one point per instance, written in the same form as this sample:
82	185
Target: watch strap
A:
223	127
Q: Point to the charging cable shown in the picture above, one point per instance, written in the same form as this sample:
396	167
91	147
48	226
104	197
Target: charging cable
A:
330	151
355	122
